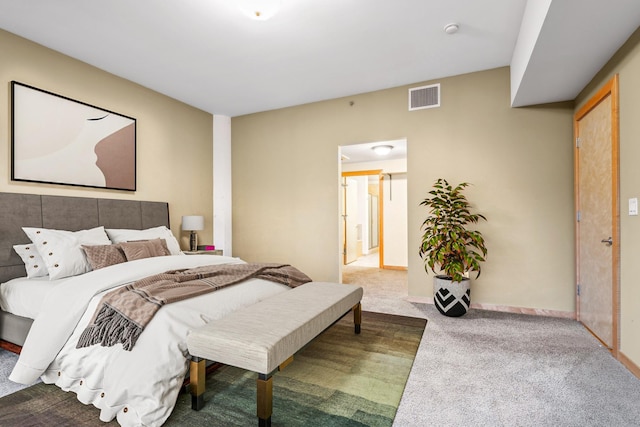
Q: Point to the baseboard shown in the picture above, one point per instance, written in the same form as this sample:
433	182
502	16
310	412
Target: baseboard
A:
628	363
394	267
507	309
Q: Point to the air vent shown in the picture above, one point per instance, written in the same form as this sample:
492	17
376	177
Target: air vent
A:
424	97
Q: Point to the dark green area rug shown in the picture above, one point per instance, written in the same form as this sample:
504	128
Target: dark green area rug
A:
339	379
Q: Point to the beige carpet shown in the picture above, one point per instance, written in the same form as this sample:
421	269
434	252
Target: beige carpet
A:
502	369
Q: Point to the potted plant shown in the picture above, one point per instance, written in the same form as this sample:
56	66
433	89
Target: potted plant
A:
448	244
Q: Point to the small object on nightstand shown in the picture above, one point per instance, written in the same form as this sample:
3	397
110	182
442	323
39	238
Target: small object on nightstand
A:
206	247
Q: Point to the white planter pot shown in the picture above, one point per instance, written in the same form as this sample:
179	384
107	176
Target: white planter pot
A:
451	298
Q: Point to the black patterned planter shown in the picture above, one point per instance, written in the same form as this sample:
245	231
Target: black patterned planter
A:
451	298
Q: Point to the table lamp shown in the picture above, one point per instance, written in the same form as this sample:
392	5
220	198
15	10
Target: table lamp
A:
193	223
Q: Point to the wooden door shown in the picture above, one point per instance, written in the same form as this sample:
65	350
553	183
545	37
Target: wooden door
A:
597	216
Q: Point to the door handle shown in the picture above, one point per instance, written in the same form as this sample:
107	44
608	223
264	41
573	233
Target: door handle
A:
608	241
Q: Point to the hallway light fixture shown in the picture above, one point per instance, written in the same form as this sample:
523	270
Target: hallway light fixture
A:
382	150
260	10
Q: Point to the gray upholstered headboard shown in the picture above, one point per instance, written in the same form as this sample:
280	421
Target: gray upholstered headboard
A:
67	213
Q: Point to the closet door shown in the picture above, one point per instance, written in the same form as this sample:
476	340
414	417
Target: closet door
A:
597	214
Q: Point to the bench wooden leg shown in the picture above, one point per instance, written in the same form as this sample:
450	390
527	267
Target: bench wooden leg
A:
357	316
285	363
197	373
264	385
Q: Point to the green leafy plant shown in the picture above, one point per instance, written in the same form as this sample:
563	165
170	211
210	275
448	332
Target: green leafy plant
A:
446	241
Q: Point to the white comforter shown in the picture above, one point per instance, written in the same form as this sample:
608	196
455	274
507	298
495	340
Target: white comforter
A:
140	386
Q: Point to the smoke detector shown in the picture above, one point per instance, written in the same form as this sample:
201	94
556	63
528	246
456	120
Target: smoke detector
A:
451	28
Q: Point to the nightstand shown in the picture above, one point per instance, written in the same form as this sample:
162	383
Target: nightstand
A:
213	252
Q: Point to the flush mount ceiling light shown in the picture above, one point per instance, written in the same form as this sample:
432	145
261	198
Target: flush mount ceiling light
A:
260	10
451	28
382	150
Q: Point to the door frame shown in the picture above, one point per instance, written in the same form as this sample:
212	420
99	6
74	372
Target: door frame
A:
608	89
377	172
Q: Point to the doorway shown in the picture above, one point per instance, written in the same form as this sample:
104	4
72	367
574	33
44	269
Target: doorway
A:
597	217
382	270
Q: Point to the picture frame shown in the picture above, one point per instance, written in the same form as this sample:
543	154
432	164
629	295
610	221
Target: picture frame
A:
58	140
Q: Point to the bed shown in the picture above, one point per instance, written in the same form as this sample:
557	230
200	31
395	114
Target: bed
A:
64	213
138	387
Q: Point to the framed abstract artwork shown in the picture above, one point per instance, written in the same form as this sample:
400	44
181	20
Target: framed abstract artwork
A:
57	140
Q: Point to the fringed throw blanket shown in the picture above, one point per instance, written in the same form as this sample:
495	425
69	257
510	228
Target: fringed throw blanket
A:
122	314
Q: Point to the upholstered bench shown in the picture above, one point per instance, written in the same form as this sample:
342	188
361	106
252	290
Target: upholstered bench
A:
264	336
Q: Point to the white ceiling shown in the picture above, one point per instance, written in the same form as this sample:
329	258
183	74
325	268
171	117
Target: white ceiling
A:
207	54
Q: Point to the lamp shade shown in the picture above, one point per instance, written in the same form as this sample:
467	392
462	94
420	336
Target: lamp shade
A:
193	222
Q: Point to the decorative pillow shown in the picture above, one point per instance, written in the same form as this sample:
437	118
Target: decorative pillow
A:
124	235
101	256
62	250
33	262
144	249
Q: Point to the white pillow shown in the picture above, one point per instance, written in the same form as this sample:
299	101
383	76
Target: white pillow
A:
120	235
62	250
33	262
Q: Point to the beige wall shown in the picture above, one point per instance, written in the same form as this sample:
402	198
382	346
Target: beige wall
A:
286	182
626	62
174	141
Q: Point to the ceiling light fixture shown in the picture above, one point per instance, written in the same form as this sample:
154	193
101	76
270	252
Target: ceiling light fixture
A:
260	10
451	28
382	150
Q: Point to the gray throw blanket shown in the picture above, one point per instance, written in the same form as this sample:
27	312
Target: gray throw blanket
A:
122	314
